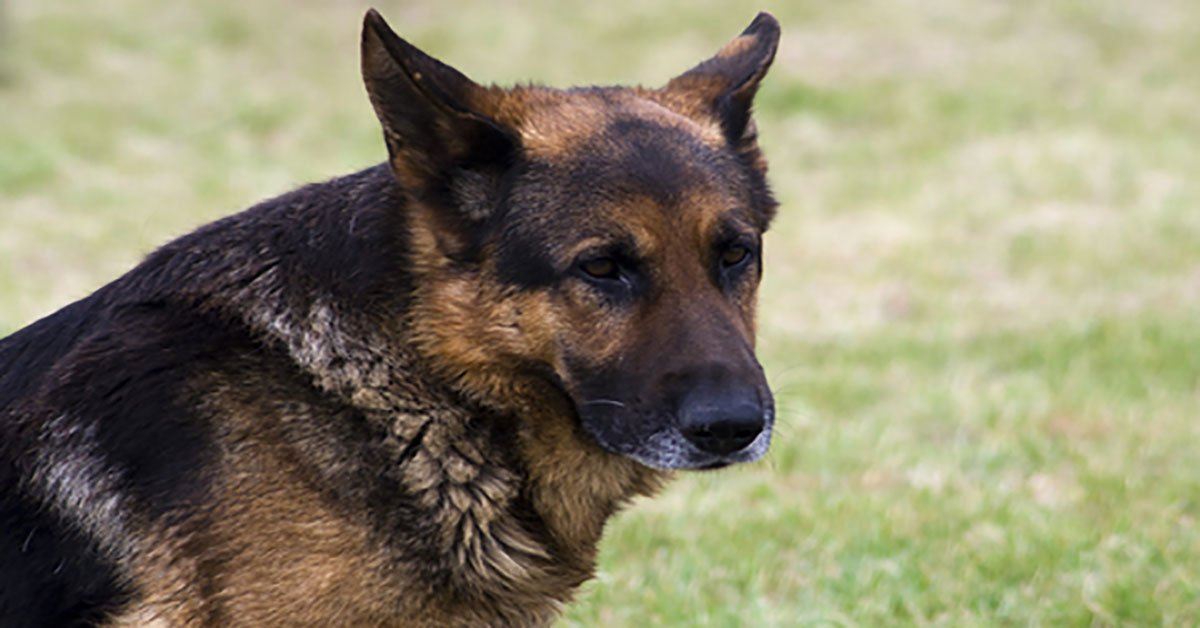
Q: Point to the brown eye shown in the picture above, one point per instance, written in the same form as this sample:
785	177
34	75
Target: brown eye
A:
734	255
600	268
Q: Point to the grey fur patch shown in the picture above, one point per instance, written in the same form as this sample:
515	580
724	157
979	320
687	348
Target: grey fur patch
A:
83	488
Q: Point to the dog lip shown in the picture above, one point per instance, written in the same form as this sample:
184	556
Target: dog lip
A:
585	415
690	458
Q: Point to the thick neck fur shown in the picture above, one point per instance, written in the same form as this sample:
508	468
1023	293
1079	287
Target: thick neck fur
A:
519	497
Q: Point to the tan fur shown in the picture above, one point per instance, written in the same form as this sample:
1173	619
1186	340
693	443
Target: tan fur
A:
290	560
480	334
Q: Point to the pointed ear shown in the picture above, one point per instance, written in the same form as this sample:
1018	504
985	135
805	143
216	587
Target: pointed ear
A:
724	86
435	121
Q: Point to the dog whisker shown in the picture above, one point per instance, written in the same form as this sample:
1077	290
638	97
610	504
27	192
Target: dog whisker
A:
603	402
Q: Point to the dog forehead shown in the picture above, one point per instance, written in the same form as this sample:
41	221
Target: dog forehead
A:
652	193
601	151
558	124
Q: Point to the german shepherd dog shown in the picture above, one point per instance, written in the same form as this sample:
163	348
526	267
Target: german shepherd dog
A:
412	395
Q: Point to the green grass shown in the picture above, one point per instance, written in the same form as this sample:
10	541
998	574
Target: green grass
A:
982	305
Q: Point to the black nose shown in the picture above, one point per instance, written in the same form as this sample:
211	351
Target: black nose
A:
721	421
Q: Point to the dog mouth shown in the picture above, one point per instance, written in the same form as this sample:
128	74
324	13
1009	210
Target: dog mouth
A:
652	439
665	448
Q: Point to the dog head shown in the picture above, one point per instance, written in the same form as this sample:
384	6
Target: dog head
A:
604	243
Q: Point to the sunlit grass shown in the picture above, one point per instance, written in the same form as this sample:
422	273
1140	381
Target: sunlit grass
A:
982	305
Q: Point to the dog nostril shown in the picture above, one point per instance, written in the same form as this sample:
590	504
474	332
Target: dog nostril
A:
726	435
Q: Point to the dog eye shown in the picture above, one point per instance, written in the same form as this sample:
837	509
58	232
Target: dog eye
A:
734	255
601	268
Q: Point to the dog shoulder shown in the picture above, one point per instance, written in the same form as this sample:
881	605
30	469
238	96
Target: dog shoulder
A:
101	442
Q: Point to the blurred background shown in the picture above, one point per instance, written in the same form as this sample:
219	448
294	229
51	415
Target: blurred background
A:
981	311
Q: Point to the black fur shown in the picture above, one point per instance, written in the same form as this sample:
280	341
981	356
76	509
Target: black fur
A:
52	575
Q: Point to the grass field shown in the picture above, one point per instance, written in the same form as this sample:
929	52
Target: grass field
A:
982	305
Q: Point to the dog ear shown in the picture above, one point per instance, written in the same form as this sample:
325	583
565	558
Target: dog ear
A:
442	144
724	85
